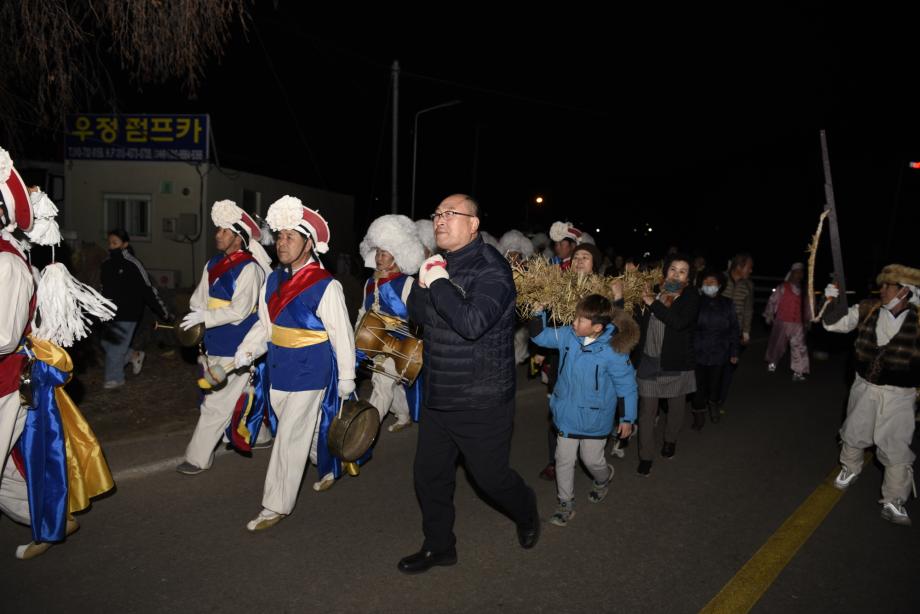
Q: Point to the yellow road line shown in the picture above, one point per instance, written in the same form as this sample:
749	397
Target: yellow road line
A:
753	579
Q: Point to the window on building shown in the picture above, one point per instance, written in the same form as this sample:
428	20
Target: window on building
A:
129	211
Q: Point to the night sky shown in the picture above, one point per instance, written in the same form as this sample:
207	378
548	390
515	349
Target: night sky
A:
701	125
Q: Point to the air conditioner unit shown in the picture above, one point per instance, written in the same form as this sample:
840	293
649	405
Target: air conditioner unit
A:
164	278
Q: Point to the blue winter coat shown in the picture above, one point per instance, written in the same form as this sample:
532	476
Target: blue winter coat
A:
591	377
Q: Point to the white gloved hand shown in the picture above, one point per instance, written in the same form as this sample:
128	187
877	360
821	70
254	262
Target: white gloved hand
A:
433	269
193	318
831	291
346	387
242	359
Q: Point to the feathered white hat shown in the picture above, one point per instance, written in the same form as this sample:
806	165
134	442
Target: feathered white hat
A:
398	235
226	214
489	239
426	234
289	213
565	230
515	241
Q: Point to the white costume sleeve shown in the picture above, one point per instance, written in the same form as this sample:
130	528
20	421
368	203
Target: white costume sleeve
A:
256	340
245	298
199	298
847	323
407	289
334	314
18	286
362	310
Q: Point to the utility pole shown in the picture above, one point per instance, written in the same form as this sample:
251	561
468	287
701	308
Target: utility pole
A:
394	193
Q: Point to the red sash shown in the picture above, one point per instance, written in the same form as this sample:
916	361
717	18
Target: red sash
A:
228	263
369	287
11	364
289	289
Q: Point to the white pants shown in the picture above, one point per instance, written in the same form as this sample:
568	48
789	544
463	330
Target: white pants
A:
14	495
521	339
883	416
389	395
298	428
567	452
10	411
216	413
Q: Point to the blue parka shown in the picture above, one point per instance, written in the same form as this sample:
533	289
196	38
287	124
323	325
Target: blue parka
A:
591	377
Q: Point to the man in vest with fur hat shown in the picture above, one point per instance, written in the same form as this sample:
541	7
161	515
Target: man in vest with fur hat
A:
304	327
392	248
226	302
880	411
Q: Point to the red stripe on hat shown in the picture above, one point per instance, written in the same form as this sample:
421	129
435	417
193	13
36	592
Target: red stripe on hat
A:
22	210
319	225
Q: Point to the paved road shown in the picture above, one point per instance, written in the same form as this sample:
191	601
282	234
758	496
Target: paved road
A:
667	543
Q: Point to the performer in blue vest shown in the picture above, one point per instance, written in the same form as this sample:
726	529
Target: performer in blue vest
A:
304	327
226	301
393	249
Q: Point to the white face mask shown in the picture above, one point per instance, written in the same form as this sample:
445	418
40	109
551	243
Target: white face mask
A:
890	305
711	290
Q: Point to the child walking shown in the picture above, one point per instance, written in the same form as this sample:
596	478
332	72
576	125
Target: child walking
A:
594	370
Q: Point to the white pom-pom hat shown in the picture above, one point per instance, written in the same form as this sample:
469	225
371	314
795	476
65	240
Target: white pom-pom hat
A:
398	235
489	239
289	213
426	234
226	214
565	230
14	195
515	241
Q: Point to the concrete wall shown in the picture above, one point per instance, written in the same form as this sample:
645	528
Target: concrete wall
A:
174	189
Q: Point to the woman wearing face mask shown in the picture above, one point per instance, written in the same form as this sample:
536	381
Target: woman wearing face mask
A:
716	344
664	357
125	283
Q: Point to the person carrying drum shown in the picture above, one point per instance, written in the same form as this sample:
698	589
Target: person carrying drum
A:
392	248
304	327
226	302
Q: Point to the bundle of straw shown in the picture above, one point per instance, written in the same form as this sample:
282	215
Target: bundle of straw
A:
544	286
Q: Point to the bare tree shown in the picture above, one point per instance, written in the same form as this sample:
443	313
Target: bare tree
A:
62	54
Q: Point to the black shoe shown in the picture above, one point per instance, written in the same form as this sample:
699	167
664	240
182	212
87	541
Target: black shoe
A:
645	468
668	449
699	420
423	560
529	534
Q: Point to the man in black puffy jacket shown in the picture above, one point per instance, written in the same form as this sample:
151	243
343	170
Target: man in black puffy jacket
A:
465	302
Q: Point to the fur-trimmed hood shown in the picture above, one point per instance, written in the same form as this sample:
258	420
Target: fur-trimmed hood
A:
627	334
398	235
515	241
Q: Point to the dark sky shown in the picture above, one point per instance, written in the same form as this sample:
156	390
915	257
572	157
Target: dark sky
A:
702	124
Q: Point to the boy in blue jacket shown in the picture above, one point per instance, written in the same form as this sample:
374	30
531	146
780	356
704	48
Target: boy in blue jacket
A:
594	370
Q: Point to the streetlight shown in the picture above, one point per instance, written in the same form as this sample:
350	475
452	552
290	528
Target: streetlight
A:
415	145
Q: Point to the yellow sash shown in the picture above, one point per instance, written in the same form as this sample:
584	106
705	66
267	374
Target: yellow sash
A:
87	472
216	303
296	337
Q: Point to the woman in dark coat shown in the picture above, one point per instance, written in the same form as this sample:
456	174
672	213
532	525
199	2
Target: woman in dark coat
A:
664	358
716	345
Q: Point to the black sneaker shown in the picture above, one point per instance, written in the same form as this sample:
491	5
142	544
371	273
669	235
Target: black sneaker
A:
645	468
668	449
